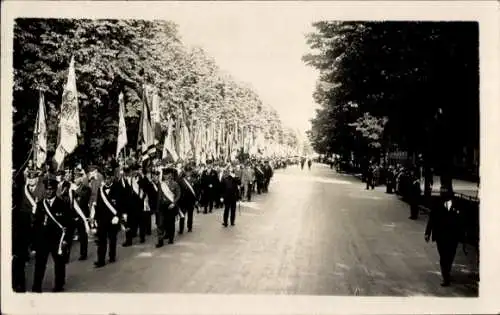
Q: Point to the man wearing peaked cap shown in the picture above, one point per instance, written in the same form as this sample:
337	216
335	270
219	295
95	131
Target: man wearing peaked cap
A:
50	236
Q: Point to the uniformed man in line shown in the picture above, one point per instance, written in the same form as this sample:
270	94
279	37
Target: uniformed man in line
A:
50	236
209	181
218	192
80	201
447	228
167	204
108	216
188	200
230	195
22	212
268	174
139	186
247	179
414	197
63	184
95	181
151	186
259	177
133	206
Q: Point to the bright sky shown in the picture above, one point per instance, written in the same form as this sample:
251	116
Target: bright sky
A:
264	51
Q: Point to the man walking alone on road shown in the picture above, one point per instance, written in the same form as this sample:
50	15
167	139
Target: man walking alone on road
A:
446	227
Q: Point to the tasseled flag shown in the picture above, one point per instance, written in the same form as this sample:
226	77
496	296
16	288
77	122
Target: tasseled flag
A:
69	123
40	146
121	141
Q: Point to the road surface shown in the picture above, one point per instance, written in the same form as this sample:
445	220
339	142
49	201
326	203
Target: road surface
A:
315	233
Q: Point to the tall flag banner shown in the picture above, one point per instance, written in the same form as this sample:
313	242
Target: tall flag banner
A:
146	139
169	144
40	145
69	123
122	140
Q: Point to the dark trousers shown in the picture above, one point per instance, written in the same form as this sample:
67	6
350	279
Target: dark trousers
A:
42	255
106	234
229	206
170	224
266	184
19	274
259	186
370	183
414	209
188	213
148	224
447	249
83	238
208	203
160	225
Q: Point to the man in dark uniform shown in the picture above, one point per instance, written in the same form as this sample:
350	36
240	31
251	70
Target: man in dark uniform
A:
133	204
188	199
49	236
446	227
259	177
230	195
80	201
414	196
209	180
168	199
108	216
268	174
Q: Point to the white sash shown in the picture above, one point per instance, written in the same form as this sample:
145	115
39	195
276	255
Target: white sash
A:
167	192
190	187
30	198
78	210
59	250
107	203
146	204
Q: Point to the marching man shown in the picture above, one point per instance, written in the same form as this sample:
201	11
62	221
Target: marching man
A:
108	216
79	196
168	198
50	236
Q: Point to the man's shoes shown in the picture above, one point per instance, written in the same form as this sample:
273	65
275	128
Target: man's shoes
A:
170	241
127	244
181	232
445	283
82	257
143	241
112	260
57	289
99	264
232	223
159	244
190	230
224	224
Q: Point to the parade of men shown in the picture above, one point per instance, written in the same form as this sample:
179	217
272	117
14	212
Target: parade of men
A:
144	161
50	236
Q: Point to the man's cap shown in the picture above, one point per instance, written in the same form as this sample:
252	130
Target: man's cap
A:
92	167
155	173
50	181
32	174
169	170
60	173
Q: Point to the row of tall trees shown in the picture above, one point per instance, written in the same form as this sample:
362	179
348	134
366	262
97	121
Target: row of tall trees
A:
407	85
114	56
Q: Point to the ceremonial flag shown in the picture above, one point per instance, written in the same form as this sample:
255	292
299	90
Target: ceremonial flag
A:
69	123
146	137
40	145
168	144
122	128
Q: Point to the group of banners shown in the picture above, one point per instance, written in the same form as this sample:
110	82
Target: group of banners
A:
183	140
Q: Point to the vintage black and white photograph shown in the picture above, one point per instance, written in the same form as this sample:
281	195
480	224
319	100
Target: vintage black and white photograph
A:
225	155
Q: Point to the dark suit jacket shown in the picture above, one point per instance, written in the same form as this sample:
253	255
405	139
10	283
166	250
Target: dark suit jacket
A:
444	224
45	231
103	214
163	202
188	199
230	190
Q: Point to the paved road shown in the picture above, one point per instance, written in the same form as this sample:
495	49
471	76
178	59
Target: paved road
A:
315	232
